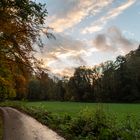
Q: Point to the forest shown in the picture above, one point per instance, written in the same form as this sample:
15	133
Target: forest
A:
111	81
23	78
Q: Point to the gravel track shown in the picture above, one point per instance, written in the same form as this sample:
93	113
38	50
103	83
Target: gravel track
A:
19	126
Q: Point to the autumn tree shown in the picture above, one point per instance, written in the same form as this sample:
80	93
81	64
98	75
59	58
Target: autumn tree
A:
21	22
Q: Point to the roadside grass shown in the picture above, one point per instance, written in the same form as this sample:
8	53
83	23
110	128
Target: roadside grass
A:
85	121
1	126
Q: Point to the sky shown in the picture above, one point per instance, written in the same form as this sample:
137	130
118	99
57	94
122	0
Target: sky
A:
88	32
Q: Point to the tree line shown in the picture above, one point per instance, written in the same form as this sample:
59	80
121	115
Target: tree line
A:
21	75
111	81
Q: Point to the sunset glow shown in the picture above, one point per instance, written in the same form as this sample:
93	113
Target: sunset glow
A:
89	32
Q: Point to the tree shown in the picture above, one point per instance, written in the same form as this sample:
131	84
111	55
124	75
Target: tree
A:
107	81
6	83
21	87
33	89
21	22
80	84
117	81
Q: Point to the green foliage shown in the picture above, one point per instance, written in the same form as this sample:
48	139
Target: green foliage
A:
20	26
44	88
92	125
6	84
88	124
116	81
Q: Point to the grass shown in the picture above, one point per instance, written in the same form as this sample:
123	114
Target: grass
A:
84	121
1	126
72	108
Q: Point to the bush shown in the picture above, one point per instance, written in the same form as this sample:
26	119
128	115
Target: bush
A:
91	125
98	125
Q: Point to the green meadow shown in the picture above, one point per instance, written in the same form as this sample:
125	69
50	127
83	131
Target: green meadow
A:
85	121
73	108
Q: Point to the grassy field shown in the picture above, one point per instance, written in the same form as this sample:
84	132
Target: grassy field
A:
85	121
72	108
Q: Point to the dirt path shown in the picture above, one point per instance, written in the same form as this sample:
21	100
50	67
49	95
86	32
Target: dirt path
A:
18	126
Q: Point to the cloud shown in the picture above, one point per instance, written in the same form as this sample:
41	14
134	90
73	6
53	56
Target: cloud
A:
102	43
62	52
64	72
77	58
112	13
74	11
113	40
